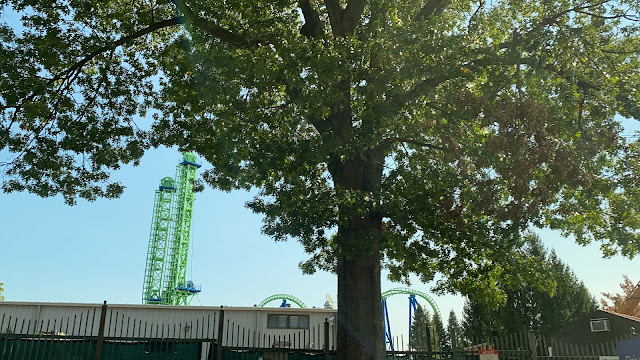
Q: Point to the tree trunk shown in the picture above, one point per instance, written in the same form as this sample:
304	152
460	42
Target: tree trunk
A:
360	333
360	327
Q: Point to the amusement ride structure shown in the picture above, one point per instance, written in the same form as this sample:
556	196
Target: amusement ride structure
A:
165	279
413	305
284	298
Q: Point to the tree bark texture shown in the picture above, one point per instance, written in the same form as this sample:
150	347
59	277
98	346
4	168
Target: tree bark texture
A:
360	329
360	334
360	326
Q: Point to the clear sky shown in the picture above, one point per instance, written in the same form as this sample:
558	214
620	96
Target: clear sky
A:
96	251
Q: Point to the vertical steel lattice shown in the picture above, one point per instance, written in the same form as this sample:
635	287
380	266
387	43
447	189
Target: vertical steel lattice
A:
178	291
158	239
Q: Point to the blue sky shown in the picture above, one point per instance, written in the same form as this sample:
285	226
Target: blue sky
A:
96	251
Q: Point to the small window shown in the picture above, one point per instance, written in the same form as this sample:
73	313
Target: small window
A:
277	321
598	325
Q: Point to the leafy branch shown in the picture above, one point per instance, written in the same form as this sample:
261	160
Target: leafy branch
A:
390	141
69	75
432	8
213	29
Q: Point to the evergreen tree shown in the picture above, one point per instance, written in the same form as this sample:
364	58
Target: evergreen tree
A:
569	301
454	328
442	336
419	325
477	322
1	291
545	307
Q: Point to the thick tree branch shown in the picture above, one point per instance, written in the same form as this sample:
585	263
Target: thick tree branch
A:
322	126
431	83
312	25
431	8
351	15
476	12
426	85
335	16
398	101
216	30
344	22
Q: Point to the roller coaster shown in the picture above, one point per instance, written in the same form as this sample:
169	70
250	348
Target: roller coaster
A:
413	305
284	298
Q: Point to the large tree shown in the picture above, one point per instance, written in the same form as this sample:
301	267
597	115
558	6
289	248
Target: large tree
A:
418	135
544	307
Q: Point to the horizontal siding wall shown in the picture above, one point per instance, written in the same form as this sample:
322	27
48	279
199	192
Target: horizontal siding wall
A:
257	321
162	321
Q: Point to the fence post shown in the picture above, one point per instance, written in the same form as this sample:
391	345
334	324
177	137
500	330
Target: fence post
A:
533	346
103	316
326	339
454	340
429	349
220	331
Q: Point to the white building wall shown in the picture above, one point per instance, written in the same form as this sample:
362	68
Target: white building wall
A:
243	326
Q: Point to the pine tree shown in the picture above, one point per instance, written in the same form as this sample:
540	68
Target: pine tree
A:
569	300
453	325
421	322
544	307
442	336
477	322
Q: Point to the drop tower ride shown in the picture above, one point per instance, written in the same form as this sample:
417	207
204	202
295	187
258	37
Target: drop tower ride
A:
166	267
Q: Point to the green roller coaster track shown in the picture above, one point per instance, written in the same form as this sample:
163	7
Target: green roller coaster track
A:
407	291
386	294
283	297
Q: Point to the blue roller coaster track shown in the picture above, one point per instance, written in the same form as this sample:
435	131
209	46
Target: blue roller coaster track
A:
413	305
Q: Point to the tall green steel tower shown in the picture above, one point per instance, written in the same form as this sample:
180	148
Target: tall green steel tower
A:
156	253
178	290
166	269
